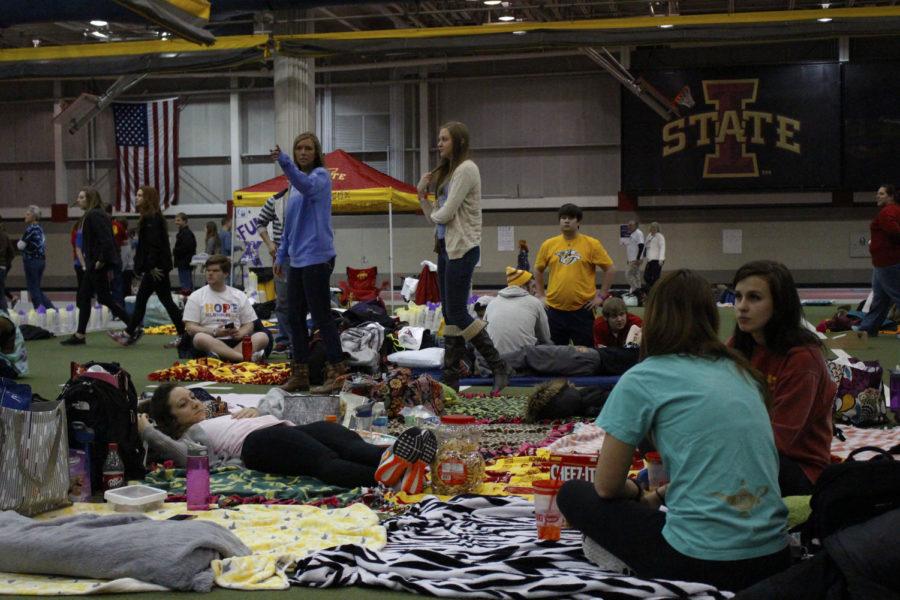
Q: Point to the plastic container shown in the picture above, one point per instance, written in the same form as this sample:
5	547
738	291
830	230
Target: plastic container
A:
458	466
656	472
547	516
197	478
135	498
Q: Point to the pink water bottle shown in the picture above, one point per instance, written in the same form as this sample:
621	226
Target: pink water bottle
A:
197	478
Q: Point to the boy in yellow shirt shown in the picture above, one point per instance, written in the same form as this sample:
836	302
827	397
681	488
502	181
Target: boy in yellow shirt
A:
571	296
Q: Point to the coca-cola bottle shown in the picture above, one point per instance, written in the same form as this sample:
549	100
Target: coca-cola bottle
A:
247	348
113	468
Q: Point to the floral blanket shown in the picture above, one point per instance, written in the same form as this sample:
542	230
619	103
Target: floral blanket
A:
213	369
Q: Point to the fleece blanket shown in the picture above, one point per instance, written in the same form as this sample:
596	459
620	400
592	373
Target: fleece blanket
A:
213	369
481	547
278	536
238	481
857	437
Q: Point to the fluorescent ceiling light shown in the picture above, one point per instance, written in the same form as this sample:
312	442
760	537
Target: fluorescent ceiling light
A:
506	18
492	2
99	34
519	32
98	23
666	26
824	20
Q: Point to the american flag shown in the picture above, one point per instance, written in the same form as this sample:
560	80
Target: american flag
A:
146	150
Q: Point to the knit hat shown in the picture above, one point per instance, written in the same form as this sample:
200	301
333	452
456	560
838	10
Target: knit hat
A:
517	276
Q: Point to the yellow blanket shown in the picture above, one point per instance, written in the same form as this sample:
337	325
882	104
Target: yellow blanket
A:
278	535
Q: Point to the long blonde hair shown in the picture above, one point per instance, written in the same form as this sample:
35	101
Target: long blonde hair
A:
459	134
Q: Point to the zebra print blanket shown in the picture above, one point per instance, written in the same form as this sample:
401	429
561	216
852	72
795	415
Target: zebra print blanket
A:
481	547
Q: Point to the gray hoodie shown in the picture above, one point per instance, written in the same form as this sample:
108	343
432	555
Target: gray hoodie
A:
516	319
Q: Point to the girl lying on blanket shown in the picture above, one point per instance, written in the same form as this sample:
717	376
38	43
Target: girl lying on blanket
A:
769	333
705	409
263	442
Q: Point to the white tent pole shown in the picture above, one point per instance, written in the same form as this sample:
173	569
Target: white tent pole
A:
391	250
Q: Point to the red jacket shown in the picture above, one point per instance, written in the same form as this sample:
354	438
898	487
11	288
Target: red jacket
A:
802	403
885	244
604	337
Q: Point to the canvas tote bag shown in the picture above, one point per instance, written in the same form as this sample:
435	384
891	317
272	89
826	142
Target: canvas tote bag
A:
34	451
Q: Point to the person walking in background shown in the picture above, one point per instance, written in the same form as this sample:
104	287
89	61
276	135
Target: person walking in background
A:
225	236
126	252
655	253
7	253
33	247
306	257
100	255
153	261
885	250
572	259
457	219
184	250
634	251
213	241
273	212
120	237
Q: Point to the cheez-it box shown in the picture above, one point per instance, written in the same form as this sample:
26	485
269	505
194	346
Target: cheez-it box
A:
572	466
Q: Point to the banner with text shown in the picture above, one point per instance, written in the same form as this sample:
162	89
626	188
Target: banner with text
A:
740	129
871	125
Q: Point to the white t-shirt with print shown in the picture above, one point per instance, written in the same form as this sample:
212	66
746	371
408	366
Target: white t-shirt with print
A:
207	307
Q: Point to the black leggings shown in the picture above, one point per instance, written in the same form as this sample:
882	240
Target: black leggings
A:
633	532
791	478
96	282
323	450
163	290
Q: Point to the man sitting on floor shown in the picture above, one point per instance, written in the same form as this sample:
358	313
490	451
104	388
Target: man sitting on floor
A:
217	317
13	356
516	318
612	329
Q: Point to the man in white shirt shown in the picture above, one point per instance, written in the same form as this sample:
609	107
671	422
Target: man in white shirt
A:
217	317
634	249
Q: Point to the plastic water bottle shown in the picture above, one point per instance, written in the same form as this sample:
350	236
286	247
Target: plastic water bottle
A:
113	468
379	419
197	478
247	348
53	320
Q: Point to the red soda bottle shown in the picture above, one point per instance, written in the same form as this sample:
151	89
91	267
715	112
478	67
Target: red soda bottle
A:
113	468
247	348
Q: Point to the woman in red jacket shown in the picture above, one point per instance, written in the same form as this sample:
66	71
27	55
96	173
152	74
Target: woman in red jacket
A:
770	334
885	250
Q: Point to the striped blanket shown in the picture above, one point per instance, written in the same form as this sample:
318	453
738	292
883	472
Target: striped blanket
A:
480	547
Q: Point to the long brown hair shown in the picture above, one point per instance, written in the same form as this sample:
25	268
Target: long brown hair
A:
681	318
161	412
319	160
150	204
459	134
93	198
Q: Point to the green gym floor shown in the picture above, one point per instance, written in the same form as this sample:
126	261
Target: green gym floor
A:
49	366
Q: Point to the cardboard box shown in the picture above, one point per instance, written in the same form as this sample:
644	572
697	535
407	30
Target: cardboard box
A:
572	466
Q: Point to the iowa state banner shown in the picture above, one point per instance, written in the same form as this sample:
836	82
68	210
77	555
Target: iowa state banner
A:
740	129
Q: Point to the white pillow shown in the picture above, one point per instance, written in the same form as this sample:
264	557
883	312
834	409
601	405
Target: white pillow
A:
429	358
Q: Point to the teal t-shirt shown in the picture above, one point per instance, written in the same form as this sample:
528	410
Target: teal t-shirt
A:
711	427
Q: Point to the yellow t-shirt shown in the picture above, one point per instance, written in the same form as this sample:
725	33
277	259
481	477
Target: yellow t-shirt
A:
571	266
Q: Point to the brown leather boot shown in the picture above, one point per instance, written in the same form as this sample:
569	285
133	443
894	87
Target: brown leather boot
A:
299	379
332	372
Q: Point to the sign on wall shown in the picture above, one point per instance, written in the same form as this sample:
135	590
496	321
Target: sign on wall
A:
746	128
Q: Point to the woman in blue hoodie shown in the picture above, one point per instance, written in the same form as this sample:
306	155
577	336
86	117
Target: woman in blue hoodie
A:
306	255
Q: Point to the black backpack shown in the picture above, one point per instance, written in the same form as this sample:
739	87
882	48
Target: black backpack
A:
854	491
109	412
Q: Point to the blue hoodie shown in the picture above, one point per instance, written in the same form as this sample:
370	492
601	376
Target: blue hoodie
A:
308	238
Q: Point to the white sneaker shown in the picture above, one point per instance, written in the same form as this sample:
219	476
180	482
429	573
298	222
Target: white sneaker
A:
259	356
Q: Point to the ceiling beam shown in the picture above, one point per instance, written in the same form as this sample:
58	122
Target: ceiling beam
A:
328	13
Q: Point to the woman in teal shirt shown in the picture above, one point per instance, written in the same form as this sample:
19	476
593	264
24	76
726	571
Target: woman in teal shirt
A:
706	412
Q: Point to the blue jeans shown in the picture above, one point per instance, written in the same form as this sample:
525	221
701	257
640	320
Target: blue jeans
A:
455	283
886	291
34	272
309	290
186	278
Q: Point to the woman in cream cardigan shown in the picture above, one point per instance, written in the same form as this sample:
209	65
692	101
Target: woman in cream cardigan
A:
457	218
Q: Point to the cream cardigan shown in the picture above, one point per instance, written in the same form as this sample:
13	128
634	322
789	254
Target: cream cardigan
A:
461	213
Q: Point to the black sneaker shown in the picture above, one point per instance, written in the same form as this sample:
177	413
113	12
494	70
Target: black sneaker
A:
73	340
131	340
